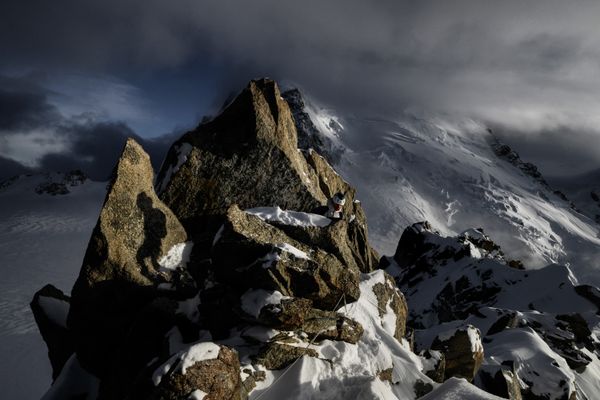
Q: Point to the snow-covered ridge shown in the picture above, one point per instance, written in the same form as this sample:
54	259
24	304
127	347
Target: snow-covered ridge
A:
452	172
536	324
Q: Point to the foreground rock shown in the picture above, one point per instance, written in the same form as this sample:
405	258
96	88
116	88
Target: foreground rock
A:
121	269
205	370
463	352
50	307
261	290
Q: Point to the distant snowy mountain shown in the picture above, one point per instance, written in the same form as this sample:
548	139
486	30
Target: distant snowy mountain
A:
45	224
583	190
456	175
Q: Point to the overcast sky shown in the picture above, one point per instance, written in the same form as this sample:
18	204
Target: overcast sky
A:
78	76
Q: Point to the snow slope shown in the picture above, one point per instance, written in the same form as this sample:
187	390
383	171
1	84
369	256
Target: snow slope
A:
444	170
42	240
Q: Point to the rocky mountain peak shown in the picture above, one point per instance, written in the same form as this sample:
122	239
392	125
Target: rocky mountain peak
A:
248	155
230	281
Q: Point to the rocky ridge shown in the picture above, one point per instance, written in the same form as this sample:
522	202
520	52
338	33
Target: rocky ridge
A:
465	282
222	283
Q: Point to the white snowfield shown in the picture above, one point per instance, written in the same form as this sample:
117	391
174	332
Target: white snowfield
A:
443	170
42	240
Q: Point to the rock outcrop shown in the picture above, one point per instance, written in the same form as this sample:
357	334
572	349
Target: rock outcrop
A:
249	252
50	307
463	352
248	155
203	371
129	255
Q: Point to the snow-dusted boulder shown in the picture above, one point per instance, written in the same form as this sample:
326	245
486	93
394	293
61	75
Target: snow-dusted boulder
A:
136	239
463	351
298	314
391	304
203	370
50	308
249	252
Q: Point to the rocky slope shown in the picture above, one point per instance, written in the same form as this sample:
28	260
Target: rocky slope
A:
223	283
537	327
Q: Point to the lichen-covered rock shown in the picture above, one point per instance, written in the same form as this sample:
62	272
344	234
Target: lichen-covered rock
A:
50	307
276	355
290	314
249	252
388	295
212	369
297	314
463	351
121	267
326	325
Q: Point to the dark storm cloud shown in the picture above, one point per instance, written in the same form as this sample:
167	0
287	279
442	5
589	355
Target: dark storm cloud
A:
532	66
89	145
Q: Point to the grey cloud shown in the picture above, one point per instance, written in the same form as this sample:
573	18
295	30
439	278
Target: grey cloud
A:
93	146
528	66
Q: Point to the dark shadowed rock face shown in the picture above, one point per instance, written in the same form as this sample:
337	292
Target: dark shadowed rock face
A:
462	351
120	271
247	155
501	382
50	307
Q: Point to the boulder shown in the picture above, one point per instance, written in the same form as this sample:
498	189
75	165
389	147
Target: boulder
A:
249	252
50	308
290	314
297	314
507	320
276	355
204	369
388	295
434	364
121	271
327	325
463	351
